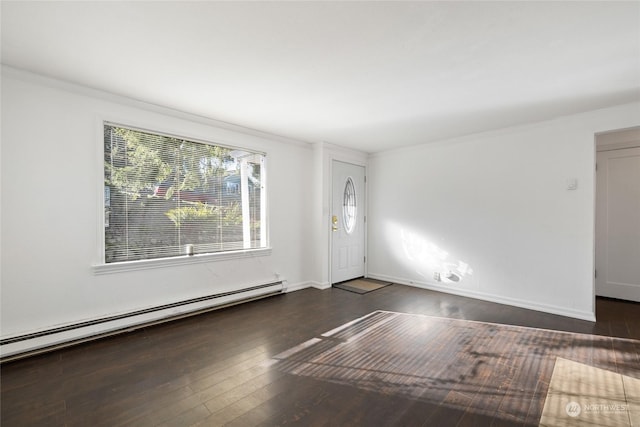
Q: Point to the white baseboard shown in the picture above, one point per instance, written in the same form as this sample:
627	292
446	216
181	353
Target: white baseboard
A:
562	311
321	286
305	285
297	286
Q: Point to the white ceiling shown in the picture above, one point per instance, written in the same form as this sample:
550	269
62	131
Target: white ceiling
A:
366	75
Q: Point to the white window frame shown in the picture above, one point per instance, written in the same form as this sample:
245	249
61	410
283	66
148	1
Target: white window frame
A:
101	267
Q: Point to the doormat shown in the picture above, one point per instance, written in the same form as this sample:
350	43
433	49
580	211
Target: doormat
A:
501	372
361	286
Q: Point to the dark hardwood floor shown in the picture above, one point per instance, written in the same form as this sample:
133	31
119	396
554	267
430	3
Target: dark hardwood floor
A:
214	369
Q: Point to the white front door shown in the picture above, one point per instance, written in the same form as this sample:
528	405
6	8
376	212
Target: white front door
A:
347	222
618	224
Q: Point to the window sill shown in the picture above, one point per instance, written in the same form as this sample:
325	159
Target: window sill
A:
117	267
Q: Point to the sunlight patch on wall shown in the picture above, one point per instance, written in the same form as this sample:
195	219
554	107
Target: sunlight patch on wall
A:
424	257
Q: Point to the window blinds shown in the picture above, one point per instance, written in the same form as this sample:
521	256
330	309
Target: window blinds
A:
166	196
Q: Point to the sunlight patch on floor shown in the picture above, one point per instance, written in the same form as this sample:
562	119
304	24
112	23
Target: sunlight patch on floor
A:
582	395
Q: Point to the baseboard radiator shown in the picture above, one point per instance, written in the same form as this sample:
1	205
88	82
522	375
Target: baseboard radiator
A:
29	344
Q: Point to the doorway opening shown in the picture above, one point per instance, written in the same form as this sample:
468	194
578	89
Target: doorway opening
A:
617	230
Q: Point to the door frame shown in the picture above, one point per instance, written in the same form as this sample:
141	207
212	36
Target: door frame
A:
365	206
616	139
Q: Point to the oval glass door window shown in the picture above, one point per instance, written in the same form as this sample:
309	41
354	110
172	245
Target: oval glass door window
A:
349	206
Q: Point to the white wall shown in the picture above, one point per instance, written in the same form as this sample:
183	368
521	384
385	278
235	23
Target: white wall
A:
51	198
496	203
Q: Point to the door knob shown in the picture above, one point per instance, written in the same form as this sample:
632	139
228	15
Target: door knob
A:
334	223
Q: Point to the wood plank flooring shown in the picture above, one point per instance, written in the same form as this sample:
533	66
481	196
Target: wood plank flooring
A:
216	368
425	358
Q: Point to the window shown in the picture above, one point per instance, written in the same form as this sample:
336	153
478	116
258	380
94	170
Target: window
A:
166	196
349	206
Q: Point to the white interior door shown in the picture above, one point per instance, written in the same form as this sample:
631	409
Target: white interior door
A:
618	224
347	222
